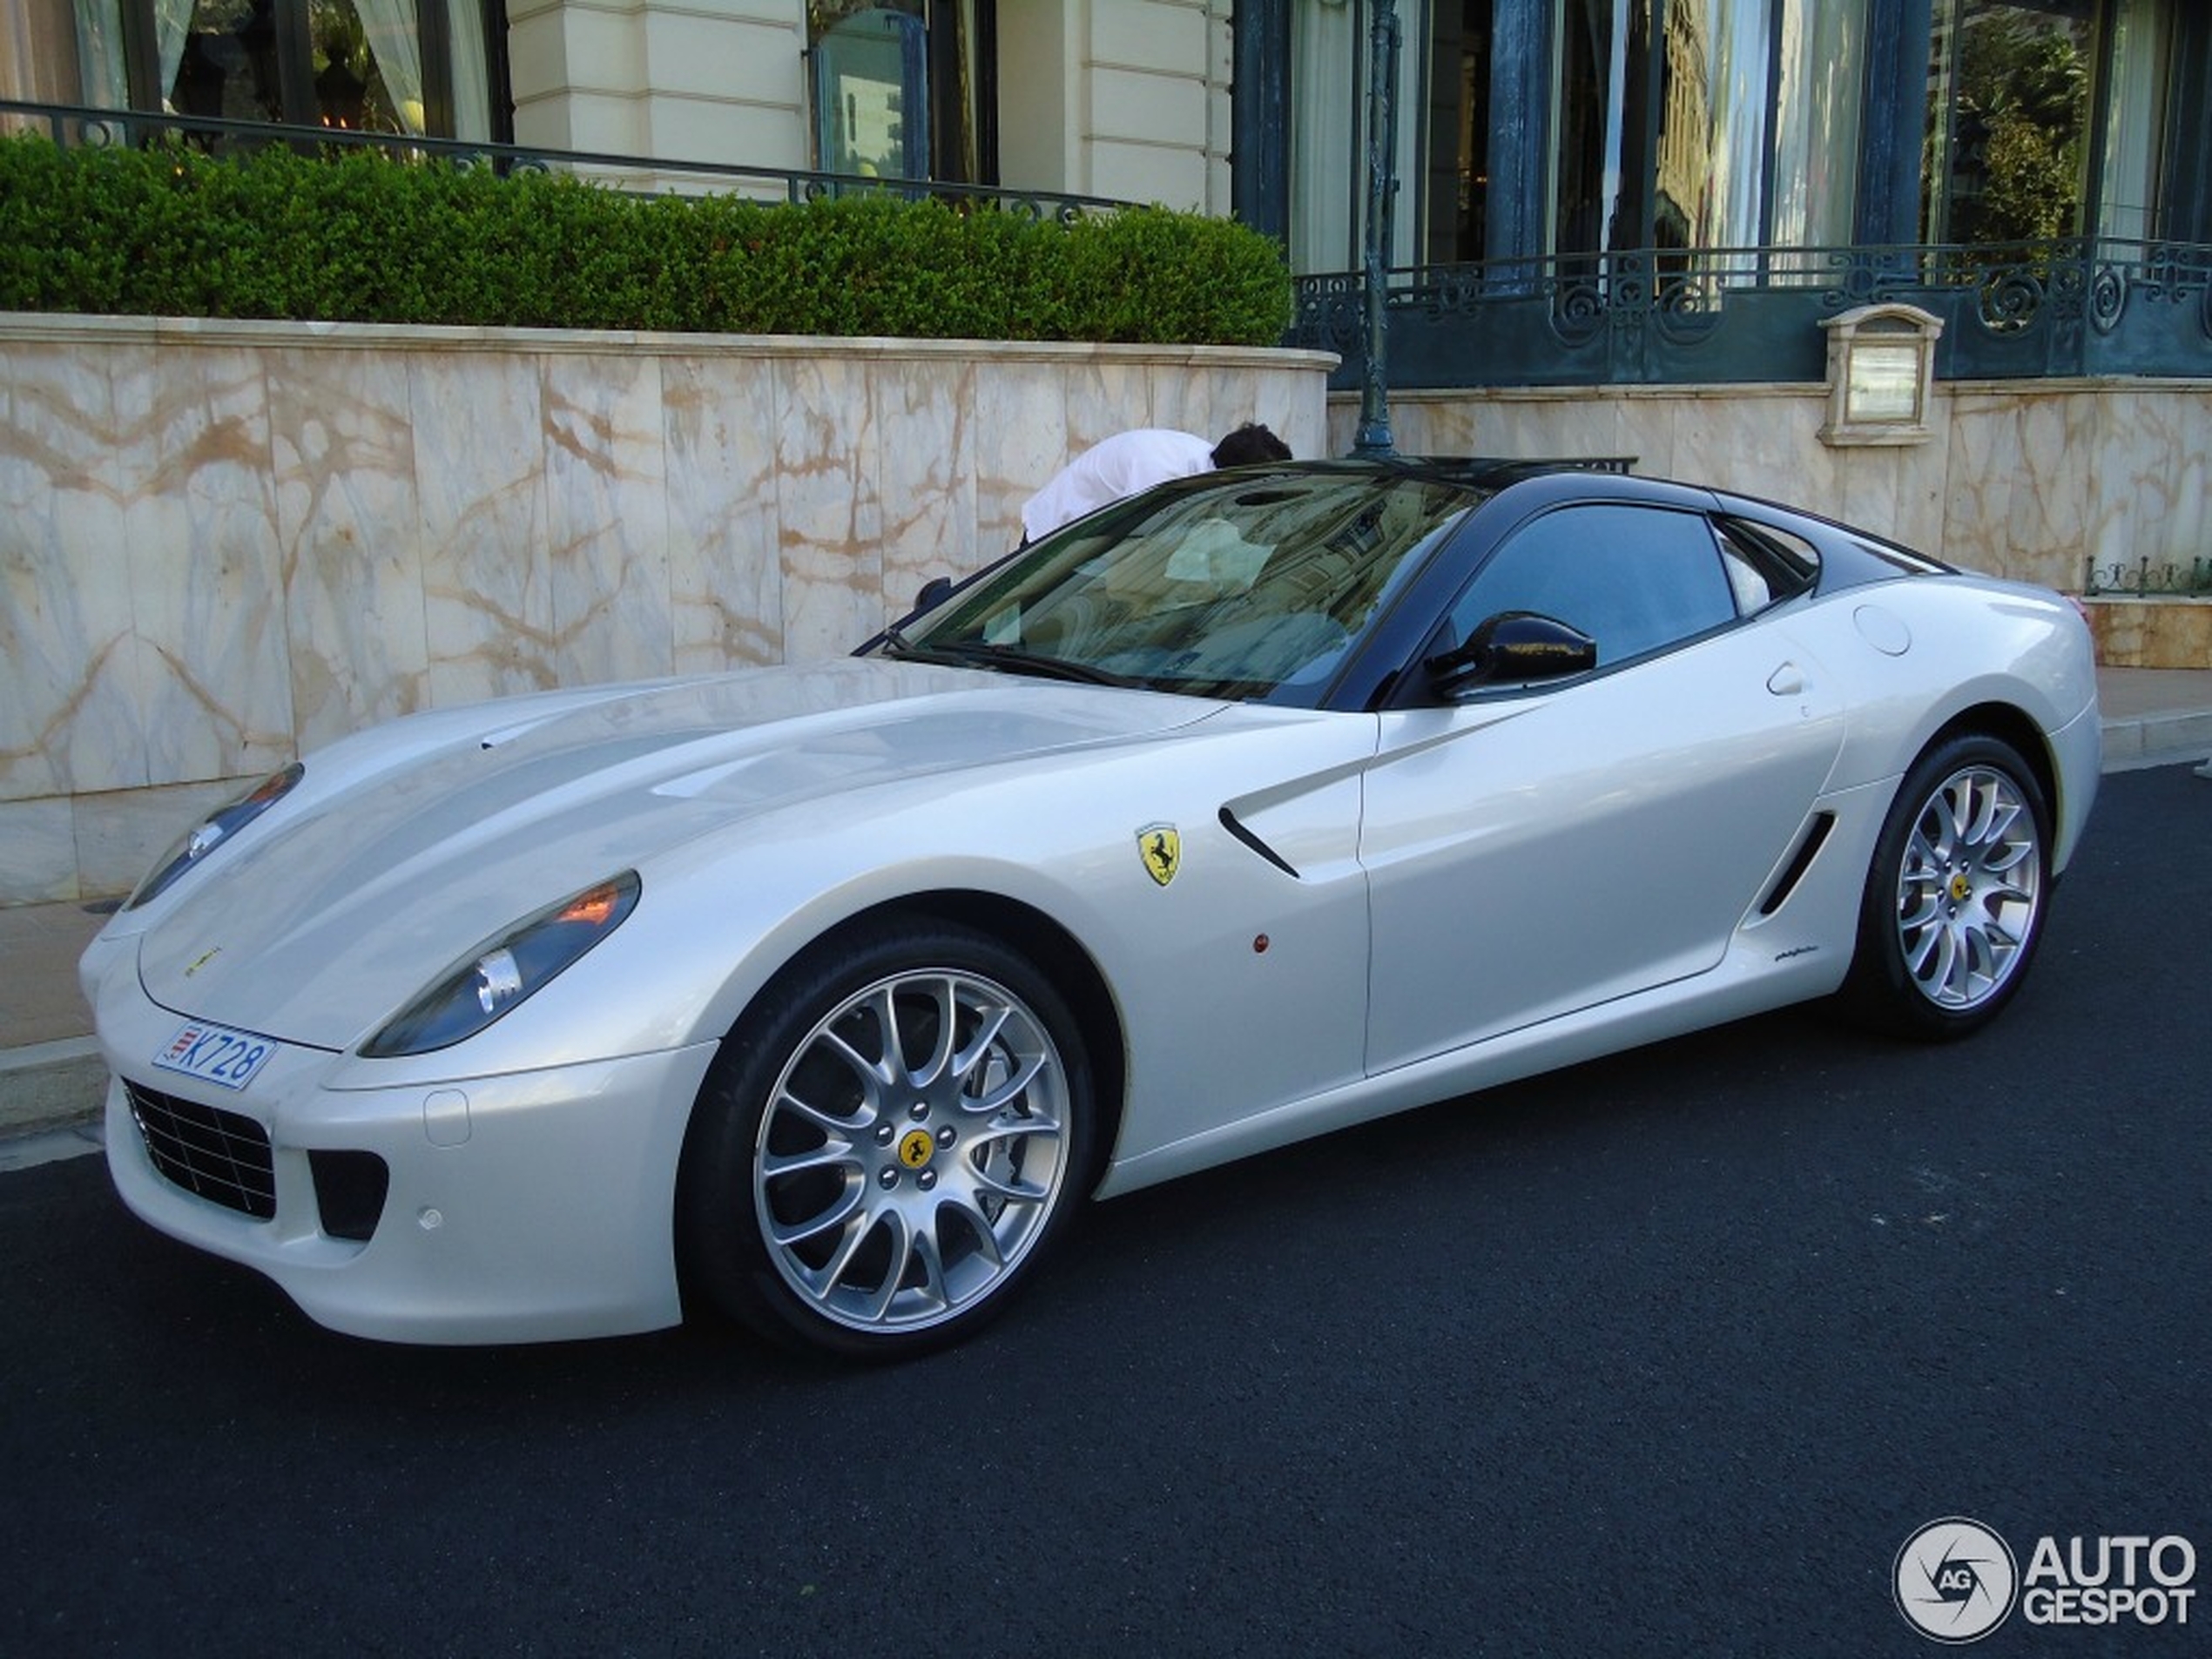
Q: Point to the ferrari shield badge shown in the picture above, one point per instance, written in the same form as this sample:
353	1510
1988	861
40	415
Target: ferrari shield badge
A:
1161	848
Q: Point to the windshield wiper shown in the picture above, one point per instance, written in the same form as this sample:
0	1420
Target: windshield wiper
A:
1012	659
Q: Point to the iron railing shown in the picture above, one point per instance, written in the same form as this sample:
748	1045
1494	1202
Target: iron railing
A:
2070	308
2147	580
72	124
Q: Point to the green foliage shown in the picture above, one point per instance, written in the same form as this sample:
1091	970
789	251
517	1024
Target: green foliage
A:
358	237
2024	112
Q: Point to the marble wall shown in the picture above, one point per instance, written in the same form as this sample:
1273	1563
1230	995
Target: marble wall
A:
222	543
2035	480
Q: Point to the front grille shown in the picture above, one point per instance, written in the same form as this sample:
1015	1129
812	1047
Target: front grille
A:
221	1155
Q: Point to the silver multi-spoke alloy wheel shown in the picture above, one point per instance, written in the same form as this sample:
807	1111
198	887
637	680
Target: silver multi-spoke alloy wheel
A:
1969	888
911	1149
1952	908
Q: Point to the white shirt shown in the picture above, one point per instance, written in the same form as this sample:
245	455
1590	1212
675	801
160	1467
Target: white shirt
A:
1120	466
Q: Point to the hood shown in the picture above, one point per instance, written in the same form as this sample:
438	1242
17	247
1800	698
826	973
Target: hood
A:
408	849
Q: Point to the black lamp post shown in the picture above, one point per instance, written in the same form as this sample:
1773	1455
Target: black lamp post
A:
1373	436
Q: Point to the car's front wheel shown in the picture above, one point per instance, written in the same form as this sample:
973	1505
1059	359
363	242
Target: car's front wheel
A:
1954	900
888	1141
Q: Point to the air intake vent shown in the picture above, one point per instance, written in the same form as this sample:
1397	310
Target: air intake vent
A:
220	1155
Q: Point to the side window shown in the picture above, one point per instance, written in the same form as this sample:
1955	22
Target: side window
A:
1765	565
1635	579
901	88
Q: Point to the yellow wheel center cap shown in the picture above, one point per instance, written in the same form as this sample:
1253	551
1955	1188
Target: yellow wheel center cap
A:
916	1148
1961	889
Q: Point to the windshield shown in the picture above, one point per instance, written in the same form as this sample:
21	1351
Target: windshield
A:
1254	589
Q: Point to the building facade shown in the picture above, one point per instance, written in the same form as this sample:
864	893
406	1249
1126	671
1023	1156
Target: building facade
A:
1647	228
1126	100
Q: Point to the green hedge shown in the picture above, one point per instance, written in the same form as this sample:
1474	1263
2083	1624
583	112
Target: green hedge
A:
360	237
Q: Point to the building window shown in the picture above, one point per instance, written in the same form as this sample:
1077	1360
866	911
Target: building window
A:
2135	122
365	66
1459	131
1332	51
904	90
2008	120
1706	124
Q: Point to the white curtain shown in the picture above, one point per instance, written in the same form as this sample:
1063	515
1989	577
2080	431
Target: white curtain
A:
471	79
1330	49
1816	122
391	28
99	54
1322	124
172	27
2135	121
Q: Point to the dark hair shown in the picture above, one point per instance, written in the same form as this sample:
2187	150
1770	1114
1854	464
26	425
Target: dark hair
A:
1250	445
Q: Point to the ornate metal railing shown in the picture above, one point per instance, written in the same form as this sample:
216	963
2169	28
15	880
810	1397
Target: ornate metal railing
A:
2084	306
71	124
2146	580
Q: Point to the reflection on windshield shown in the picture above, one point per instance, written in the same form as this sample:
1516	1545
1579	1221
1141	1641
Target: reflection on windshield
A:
1255	589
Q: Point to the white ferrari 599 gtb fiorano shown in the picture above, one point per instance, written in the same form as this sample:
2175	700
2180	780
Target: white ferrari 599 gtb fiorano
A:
1256	805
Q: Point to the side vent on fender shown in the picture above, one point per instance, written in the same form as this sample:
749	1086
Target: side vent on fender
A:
1230	823
1816	836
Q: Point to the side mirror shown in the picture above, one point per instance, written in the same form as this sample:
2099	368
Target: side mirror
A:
1511	648
934	593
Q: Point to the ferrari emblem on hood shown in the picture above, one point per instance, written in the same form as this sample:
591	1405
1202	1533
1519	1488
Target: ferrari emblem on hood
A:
1161	848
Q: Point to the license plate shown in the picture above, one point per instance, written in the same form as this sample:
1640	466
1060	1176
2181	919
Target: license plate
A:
215	1054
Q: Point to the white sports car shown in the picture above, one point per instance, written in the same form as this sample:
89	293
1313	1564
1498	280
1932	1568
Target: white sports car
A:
1260	805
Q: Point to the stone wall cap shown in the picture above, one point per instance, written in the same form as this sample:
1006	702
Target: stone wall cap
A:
78	329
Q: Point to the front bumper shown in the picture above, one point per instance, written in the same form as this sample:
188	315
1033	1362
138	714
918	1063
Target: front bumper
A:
527	1207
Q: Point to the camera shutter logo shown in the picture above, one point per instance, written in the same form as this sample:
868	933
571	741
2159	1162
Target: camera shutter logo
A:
1955	1579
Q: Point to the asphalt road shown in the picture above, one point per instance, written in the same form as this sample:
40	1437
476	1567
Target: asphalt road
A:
1667	1355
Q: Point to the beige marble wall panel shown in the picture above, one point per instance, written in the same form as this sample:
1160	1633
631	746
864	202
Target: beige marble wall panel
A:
607	517
1102	398
224	541
2153	633
118	836
1563	427
2045	532
69	713
1203	398
1982	464
1645	427
38	851
1434	426
1021	439
2151	484
342	449
828	461
1896	491
927	457
1292	405
1756	445
725	579
480	490
206	561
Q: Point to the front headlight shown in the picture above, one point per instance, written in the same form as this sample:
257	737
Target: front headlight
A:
214	830
503	973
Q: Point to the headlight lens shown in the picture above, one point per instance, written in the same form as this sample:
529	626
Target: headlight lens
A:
504	974
212	831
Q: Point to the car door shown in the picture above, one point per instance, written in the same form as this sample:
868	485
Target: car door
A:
1532	850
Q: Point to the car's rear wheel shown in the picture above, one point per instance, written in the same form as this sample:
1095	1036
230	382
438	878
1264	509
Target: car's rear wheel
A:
1954	900
888	1143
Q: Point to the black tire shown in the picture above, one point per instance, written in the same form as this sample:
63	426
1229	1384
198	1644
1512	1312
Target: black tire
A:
1955	897
883	1199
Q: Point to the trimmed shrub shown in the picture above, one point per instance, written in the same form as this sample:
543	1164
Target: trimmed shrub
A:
359	237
